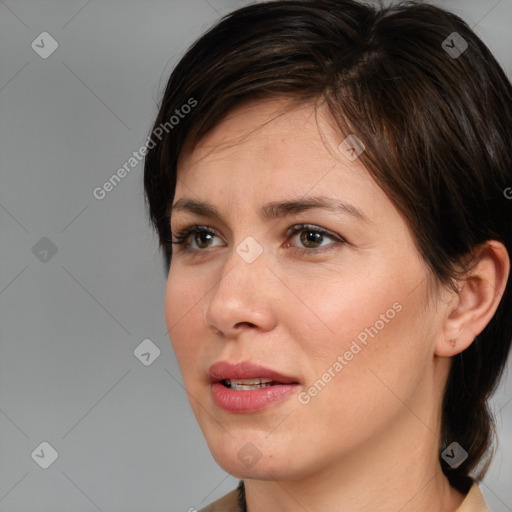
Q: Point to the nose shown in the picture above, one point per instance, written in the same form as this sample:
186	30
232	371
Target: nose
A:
243	298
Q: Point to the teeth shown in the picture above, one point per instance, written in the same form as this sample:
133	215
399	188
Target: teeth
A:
248	384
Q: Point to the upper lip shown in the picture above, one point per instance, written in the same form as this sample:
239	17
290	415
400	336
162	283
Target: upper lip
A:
223	370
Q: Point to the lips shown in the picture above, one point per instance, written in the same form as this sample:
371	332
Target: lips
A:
247	387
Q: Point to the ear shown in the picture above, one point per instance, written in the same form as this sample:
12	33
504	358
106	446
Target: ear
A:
480	292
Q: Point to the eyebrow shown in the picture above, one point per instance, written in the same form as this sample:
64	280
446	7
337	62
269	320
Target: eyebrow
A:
274	210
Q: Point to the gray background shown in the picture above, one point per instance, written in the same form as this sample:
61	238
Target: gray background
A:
69	326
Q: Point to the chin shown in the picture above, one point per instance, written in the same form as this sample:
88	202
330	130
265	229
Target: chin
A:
264	469
258	460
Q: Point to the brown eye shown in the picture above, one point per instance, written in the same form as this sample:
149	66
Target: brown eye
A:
200	236
311	238
203	238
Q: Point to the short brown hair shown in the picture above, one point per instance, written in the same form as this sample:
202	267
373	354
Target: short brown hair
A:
437	130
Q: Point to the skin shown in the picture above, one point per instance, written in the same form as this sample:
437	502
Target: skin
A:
369	441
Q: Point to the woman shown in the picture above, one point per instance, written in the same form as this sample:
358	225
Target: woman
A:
331	183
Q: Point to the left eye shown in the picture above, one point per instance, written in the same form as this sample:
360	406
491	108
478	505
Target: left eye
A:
312	237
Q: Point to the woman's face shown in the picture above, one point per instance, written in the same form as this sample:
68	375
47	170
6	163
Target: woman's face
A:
339	320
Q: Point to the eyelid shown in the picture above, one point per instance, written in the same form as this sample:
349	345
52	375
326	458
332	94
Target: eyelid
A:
297	228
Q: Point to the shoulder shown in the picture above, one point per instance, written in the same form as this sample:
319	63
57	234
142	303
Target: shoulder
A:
228	503
474	501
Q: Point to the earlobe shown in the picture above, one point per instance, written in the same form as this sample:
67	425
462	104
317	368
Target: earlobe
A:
477	301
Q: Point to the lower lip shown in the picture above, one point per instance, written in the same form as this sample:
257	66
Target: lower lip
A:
252	400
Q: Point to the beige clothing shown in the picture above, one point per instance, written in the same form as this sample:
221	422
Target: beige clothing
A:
474	502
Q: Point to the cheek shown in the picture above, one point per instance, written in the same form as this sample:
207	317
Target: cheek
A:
334	311
364	337
183	317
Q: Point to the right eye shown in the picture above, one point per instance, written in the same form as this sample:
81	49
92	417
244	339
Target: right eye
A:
199	235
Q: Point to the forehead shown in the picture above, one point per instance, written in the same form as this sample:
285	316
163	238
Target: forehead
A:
272	136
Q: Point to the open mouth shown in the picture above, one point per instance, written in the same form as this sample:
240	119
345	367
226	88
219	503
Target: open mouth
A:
246	387
248	384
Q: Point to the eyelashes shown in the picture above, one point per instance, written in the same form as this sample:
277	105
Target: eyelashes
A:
182	237
203	235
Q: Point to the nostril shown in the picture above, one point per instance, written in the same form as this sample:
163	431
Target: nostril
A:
244	323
